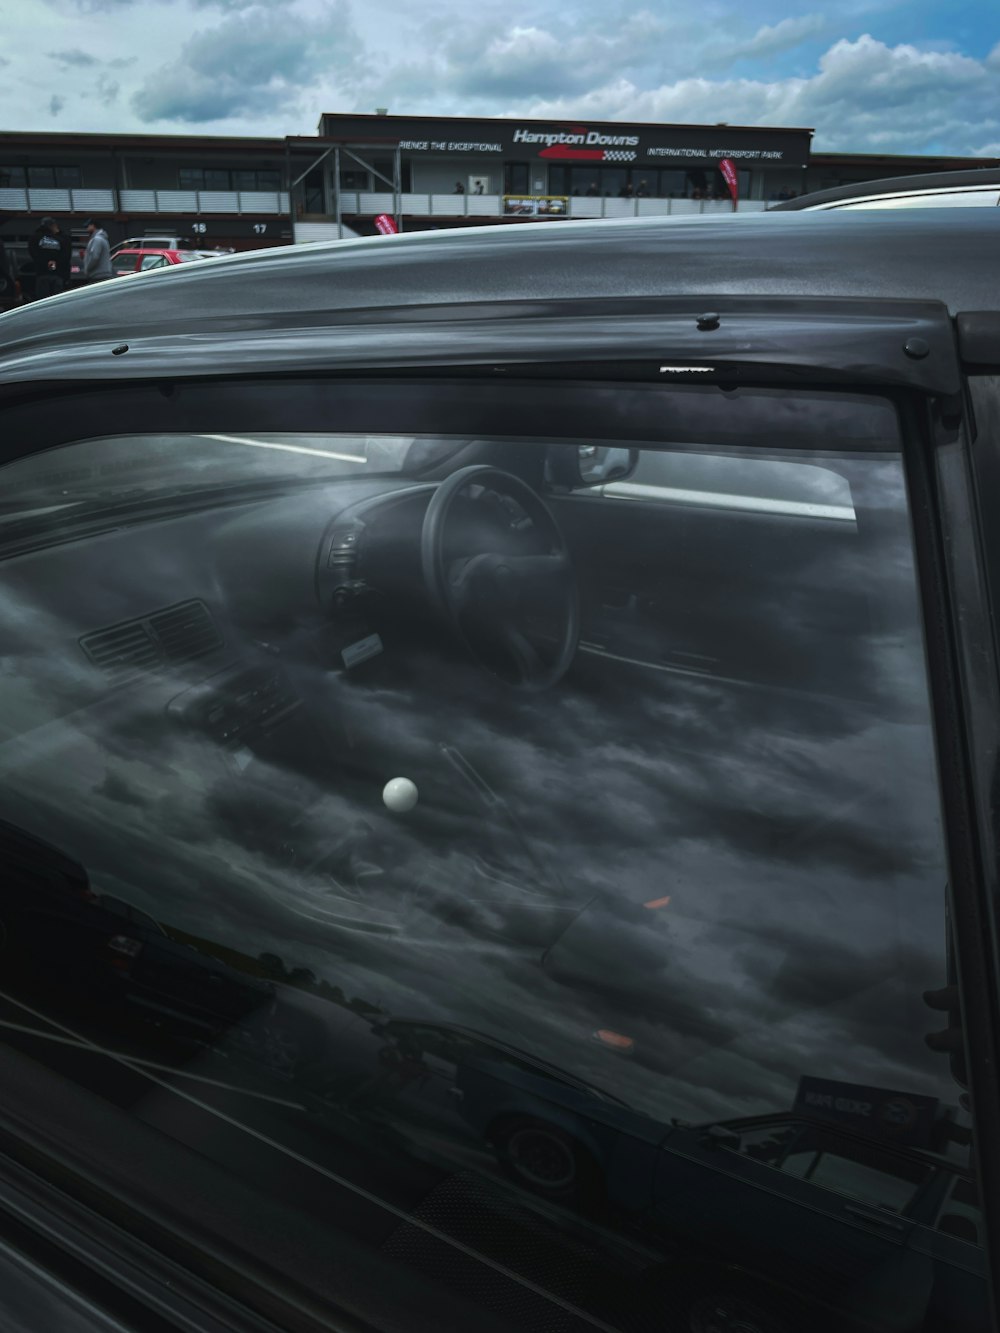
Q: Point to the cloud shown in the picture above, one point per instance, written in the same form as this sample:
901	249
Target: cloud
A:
252	63
56	104
109	6
74	58
770	40
493	60
107	89
865	96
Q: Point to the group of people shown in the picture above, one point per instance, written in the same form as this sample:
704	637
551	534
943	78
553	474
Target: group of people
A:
642	191
626	191
51	251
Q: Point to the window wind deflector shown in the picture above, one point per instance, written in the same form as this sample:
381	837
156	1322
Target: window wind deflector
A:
979	337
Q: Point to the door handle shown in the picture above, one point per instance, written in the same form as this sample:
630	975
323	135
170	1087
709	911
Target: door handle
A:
880	1219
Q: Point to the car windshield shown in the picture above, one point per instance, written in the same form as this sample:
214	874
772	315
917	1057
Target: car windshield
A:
481	846
98	472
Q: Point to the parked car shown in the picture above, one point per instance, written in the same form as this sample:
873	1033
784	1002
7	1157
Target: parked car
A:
979	188
582	639
141	259
10	288
151	243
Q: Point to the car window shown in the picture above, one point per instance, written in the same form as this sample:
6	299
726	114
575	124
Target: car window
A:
112	904
107	468
886	1182
436	753
152	261
123	263
753	484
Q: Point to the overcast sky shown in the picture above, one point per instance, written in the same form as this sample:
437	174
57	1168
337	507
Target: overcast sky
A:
896	76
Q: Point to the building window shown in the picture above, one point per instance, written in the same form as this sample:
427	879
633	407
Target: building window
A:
312	191
41	178
559	180
516	178
220	178
384	166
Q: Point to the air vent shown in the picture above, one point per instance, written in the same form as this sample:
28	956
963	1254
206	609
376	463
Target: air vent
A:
175	634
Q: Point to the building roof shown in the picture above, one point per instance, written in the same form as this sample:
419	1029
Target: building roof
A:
17	140
484	294
562	120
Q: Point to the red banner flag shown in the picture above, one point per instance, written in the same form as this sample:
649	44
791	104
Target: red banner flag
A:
728	169
385	225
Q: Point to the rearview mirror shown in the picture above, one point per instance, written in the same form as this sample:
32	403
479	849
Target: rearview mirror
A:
574	466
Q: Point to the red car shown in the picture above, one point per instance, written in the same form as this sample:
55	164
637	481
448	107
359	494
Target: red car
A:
140	261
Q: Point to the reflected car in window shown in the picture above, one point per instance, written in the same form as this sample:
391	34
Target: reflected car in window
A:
846	1205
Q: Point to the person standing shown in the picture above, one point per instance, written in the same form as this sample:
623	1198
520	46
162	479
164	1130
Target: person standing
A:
97	256
10	295
50	255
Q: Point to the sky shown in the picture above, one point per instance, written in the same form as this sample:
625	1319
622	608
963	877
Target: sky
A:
884	76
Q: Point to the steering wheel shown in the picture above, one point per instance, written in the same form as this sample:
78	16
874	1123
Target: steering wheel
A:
490	597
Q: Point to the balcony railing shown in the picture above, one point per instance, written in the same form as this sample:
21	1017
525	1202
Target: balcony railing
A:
363	203
57	201
253	202
103	202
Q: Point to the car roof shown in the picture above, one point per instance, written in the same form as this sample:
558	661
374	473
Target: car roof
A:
941	182
252	310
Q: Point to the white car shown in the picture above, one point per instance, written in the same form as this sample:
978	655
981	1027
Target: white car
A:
979	188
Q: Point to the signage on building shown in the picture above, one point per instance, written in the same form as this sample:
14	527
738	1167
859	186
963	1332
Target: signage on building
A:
906	1118
574	142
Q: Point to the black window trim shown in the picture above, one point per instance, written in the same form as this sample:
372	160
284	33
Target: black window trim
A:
964	677
658	415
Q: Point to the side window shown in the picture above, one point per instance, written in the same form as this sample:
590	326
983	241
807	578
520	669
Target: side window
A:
752	484
440	747
122	263
884	1180
152	261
